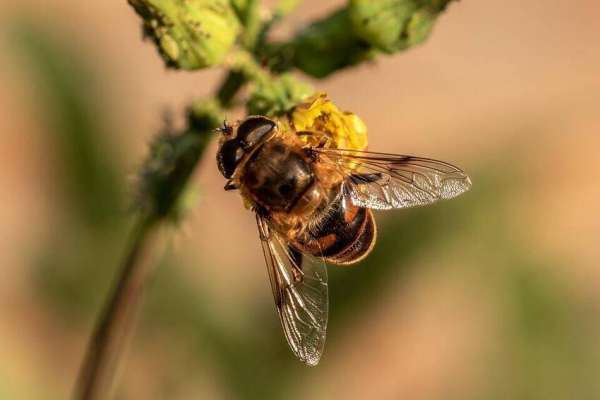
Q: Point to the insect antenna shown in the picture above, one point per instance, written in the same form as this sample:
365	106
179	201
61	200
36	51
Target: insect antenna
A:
226	129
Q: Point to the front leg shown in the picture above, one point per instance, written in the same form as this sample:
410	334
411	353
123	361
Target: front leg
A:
317	139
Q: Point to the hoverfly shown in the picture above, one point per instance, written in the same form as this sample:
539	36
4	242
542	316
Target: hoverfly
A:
313	205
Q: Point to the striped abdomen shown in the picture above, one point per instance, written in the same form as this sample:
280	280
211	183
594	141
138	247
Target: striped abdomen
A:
345	234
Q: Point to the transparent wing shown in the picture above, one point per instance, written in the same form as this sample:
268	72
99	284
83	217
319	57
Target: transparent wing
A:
299	286
384	181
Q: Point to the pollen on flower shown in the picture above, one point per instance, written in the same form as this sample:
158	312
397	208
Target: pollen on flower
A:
323	124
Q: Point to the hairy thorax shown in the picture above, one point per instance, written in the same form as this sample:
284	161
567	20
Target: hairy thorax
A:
284	181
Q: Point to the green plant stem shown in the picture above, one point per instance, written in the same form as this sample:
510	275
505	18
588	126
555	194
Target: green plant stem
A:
232	83
244	63
115	323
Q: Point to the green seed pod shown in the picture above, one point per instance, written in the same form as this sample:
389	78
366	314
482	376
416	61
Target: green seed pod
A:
392	25
325	46
190	34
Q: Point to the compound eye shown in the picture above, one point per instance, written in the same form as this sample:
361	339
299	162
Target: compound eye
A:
253	129
229	156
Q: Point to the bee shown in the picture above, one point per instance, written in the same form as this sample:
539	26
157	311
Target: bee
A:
313	205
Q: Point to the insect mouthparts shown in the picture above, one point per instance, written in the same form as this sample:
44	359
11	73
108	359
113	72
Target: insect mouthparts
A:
230	185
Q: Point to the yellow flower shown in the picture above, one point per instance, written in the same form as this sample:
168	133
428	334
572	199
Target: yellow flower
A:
319	122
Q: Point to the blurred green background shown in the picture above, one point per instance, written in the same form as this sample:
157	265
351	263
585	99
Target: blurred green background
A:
493	295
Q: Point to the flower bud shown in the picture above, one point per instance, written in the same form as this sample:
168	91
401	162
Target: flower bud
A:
190	34
392	25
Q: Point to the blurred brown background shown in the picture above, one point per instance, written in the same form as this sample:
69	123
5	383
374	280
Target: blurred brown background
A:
494	295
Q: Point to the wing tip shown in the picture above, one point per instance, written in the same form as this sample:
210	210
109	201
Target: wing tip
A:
468	183
313	360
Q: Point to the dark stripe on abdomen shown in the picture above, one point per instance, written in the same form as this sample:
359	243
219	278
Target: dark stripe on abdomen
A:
344	235
361	246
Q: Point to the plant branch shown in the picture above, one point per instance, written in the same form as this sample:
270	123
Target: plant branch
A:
115	322
232	83
164	177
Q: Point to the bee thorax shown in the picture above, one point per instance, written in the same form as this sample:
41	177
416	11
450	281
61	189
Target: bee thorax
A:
277	177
